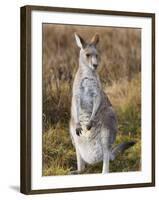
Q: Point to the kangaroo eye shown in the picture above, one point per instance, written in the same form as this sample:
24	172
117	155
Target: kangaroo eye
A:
88	55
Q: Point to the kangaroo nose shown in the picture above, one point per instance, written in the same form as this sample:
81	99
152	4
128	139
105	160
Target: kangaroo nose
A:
95	65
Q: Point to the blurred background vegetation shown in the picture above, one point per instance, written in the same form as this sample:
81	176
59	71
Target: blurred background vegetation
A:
120	73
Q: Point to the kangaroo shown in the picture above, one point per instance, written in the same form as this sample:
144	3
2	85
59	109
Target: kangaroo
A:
93	123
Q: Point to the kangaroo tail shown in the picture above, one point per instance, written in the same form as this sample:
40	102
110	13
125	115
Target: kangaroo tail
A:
120	149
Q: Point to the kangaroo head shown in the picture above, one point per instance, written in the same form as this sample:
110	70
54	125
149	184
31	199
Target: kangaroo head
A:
88	51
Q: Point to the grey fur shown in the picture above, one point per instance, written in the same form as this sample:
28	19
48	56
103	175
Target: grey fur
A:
120	149
93	124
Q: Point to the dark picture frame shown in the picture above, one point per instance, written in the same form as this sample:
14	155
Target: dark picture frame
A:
26	86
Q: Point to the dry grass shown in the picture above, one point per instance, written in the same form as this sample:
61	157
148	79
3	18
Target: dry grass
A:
126	99
120	75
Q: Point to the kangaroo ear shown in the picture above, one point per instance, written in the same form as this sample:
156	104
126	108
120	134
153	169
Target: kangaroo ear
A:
79	40
95	39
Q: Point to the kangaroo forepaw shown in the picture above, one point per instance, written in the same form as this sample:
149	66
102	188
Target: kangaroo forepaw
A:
89	125
79	130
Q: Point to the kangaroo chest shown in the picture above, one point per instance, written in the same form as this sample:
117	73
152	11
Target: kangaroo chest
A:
89	87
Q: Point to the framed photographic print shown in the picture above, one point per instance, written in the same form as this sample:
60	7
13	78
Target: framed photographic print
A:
87	99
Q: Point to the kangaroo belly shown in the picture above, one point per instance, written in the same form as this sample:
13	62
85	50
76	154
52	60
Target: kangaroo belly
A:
90	148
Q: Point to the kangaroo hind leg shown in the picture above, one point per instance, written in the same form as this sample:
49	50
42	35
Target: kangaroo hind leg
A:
106	150
80	161
80	164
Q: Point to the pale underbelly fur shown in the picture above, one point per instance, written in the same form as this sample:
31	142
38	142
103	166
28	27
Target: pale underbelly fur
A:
89	144
91	150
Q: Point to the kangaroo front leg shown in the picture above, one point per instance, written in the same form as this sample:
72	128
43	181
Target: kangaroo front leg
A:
96	105
76	111
106	151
